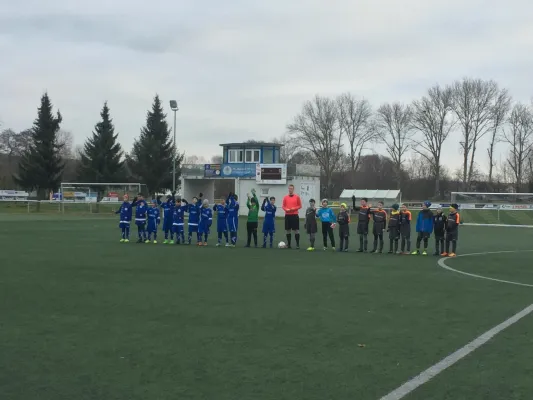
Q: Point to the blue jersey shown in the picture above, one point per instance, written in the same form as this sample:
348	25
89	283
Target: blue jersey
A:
325	214
140	210
153	218
232	207
233	214
153	214
178	215
194	213
424	222
125	212
269	224
222	217
206	219
167	207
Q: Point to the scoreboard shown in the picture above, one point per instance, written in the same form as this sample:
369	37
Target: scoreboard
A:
271	174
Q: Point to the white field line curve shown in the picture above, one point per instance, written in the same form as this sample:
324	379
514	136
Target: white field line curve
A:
453	358
447	362
442	264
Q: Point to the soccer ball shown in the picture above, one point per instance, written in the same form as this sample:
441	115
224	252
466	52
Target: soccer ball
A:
282	245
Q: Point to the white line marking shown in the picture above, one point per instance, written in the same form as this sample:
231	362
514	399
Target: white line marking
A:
447	362
442	263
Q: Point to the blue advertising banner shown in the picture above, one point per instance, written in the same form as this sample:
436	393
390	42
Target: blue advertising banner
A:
212	170
238	170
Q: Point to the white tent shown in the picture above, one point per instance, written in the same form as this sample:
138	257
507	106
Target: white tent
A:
389	197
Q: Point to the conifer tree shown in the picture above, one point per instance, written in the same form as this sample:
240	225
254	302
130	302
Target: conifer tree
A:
151	158
101	158
41	166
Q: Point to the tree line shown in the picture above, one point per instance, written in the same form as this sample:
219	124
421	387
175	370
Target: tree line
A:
340	134
337	134
44	152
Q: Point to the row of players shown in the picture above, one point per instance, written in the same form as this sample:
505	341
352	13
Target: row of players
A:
200	217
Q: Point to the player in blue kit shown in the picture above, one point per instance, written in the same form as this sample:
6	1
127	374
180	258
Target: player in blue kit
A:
269	223
168	209
140	216
153	221
125	219
193	209
233	217
206	219
178	220
222	221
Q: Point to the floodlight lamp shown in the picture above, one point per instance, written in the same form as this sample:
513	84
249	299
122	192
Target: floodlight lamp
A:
173	105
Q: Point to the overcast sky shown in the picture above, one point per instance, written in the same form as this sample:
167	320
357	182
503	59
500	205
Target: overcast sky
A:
241	69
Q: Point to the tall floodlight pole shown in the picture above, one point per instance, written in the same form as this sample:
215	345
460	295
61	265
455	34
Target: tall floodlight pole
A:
174	107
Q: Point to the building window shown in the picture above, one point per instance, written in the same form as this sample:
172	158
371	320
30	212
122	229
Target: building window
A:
268	155
253	156
235	156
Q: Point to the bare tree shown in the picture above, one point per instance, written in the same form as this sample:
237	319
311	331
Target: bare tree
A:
13	143
216	160
520	138
419	167
193	159
354	122
66	141
288	149
500	110
77	152
473	101
393	124
432	117
316	130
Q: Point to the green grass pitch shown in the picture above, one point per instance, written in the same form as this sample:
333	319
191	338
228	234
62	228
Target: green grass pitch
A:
86	317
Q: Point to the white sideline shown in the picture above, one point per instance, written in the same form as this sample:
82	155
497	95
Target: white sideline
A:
436	369
450	360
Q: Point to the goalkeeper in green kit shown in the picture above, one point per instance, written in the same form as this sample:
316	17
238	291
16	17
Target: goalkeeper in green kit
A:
253	218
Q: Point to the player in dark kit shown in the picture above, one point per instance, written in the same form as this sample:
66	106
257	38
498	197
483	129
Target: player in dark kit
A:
343	219
452	230
439	228
311	226
363	216
380	224
394	229
405	229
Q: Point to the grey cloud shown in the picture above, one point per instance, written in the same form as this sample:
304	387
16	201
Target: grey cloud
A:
243	68
105	30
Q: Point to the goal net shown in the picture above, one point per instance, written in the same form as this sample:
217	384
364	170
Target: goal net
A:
495	209
91	197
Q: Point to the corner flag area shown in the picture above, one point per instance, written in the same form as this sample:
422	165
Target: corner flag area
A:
86	317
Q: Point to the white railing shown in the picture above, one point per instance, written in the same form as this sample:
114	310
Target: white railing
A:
56	206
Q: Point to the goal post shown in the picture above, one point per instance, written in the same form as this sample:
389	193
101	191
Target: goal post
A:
495	209
92	197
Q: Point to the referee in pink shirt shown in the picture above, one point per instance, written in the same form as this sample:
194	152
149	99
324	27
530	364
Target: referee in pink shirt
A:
291	205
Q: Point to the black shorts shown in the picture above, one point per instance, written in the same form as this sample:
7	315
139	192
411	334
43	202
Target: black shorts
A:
424	235
362	229
292	222
251	226
344	231
451	236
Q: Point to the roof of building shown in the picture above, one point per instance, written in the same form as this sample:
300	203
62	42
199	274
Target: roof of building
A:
251	144
369	194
